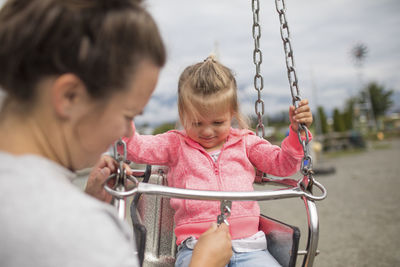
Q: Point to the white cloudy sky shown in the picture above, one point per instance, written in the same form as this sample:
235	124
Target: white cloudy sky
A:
323	34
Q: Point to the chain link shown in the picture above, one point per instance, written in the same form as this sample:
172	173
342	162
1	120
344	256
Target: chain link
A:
258	78
306	163
225	207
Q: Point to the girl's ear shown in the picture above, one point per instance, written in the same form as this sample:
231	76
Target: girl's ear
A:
67	92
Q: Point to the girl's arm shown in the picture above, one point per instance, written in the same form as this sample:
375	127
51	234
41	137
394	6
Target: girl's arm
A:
284	160
158	149
280	161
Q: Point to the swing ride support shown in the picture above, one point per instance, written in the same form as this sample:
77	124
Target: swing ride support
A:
162	252
160	191
313	233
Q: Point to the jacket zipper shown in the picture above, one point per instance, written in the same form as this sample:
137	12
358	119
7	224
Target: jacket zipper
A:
216	168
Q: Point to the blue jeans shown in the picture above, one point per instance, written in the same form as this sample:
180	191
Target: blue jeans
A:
260	258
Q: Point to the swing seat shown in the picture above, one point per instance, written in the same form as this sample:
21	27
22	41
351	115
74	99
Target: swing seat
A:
153	224
282	240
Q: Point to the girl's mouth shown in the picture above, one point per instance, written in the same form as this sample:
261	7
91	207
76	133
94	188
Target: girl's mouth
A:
207	138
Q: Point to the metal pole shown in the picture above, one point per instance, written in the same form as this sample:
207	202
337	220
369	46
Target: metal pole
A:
313	232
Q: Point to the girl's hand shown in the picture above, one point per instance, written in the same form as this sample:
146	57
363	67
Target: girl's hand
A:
300	115
98	176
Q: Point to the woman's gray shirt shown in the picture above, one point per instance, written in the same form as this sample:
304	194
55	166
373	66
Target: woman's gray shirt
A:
47	221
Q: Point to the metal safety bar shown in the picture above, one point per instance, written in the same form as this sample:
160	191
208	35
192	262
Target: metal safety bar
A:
152	189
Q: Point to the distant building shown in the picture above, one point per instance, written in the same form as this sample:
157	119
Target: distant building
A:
391	122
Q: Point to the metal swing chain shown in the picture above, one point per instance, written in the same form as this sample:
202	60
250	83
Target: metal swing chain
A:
258	78
121	177
287	46
306	163
119	190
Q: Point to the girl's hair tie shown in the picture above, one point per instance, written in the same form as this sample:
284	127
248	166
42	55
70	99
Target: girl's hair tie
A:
211	57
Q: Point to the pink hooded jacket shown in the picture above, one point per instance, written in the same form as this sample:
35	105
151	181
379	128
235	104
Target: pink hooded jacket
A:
191	167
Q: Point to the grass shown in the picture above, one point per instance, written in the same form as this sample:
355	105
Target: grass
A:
374	145
343	153
381	145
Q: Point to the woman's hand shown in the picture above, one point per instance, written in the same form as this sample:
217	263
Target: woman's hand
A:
98	176
214	247
300	115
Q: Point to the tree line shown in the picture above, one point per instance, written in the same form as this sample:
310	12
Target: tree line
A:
343	119
372	102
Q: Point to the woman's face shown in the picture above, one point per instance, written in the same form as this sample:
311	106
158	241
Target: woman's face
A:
109	120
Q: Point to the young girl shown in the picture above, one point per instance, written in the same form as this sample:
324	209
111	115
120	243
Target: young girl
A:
211	155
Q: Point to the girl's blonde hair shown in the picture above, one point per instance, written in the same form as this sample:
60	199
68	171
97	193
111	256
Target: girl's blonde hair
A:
207	87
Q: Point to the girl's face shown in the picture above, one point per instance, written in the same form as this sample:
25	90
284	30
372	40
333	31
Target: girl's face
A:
100	127
212	131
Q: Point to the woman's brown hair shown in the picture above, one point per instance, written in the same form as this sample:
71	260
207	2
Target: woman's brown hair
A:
99	41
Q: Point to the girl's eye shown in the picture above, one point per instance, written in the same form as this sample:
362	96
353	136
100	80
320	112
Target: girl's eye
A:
218	122
196	124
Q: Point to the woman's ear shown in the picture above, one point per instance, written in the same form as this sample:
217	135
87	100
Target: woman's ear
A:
67	92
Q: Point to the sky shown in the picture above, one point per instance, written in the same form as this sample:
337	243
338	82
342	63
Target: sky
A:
323	34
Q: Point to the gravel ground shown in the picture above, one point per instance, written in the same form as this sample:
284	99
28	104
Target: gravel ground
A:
359	220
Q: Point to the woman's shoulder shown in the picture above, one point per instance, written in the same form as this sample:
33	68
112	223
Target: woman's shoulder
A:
62	212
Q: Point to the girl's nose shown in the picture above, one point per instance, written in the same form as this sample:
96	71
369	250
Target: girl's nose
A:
206	131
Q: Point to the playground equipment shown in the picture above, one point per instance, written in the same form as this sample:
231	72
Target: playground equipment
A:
152	217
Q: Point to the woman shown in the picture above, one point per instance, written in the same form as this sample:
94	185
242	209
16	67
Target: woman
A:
75	74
